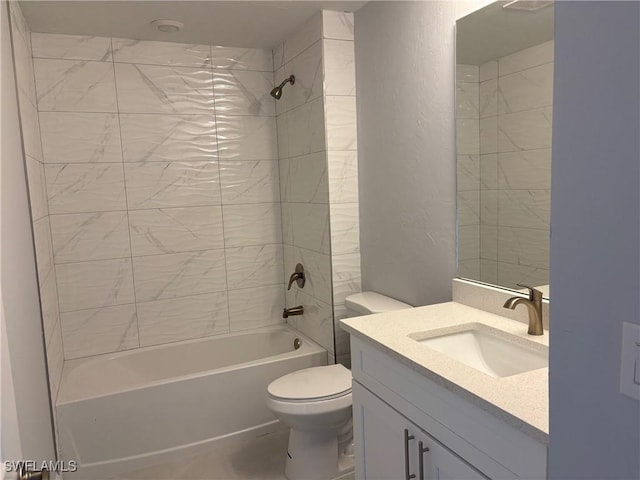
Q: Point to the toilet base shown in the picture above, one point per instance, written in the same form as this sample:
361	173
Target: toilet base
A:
314	456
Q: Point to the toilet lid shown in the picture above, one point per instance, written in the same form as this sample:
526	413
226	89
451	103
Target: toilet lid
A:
312	383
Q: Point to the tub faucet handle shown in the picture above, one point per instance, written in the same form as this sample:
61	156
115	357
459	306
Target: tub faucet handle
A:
298	277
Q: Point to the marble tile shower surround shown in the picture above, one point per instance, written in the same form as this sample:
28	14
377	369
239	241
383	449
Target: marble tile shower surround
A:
157	171
318	174
504	164
41	220
303	180
160	162
342	164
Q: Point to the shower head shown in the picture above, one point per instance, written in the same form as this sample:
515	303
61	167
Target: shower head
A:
277	91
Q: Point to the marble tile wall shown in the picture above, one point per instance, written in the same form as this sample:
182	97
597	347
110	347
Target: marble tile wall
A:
40	213
511	182
166	180
163	188
304	188
317	144
342	161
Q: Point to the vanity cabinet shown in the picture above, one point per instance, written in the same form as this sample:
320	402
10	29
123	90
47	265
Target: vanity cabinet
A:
393	447
408	426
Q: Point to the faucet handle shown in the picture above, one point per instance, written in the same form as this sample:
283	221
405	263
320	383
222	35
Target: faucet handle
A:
534	293
298	276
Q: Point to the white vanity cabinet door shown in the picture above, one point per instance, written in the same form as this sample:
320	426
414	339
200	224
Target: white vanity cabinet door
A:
388	446
441	464
378	432
484	441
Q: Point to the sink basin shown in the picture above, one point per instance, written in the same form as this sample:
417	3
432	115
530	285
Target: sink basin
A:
497	355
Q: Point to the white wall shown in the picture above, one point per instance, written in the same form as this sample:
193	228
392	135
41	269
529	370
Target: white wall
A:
30	123
595	259
20	302
406	157
10	440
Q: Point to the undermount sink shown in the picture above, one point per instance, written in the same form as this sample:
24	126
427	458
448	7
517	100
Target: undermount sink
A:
498	355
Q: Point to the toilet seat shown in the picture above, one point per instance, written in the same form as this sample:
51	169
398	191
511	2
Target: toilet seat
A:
312	385
311	408
311	400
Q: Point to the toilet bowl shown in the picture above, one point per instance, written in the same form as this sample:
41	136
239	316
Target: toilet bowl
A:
316	404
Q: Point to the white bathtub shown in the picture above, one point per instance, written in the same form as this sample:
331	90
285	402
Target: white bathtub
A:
128	410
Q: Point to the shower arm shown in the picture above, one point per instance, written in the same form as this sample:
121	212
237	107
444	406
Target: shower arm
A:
290	78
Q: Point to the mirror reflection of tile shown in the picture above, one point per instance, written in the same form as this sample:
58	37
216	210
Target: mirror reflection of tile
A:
504	120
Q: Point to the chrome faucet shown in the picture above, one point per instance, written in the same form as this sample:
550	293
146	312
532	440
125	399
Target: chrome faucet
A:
534	307
287	312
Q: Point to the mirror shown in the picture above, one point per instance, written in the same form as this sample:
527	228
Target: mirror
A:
504	97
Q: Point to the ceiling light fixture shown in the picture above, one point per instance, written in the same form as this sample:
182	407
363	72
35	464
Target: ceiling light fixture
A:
168	26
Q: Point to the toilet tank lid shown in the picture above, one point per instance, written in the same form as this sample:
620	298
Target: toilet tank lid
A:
312	383
372	302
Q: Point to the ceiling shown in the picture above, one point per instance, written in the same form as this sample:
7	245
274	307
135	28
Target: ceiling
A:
258	24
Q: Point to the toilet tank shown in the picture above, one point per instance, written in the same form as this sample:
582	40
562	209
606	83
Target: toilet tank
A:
367	303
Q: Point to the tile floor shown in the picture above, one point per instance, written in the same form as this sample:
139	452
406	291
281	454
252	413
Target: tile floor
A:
260	458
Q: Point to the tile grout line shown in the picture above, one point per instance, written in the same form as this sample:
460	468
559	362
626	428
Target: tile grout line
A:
525	110
142	302
182	252
160	114
233	205
179	297
126	197
149	64
46	197
325	125
497	203
224	239
284	257
157	162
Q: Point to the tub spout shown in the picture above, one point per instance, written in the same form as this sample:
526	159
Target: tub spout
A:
299	310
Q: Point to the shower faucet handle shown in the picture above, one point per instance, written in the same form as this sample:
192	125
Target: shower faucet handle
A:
298	277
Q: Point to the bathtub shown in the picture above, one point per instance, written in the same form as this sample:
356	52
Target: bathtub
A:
123	411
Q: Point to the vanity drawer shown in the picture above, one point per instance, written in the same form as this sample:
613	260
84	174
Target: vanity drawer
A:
486	441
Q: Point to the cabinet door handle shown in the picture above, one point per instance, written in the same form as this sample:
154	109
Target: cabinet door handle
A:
421	451
407	437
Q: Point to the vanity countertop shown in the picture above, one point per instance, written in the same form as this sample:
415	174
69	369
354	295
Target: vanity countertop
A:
521	400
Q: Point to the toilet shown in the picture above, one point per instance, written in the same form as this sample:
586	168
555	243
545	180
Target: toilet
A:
316	404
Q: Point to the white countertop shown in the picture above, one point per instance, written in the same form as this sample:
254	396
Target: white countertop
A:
521	400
